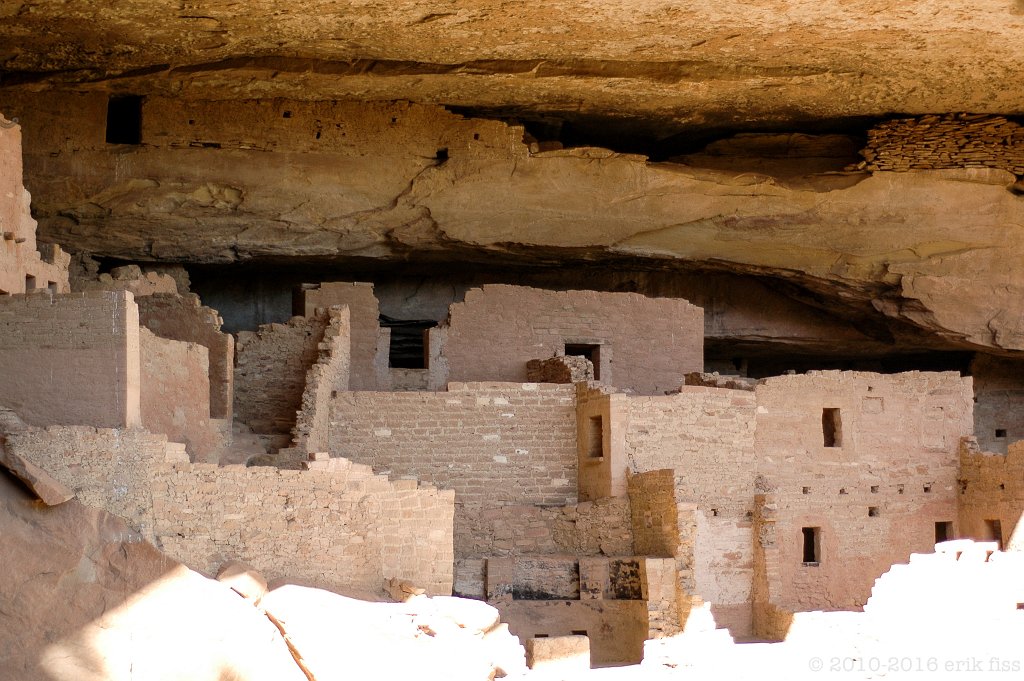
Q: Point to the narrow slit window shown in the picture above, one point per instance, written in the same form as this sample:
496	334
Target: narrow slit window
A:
943	531
812	545
595	437
831	427
124	120
591	352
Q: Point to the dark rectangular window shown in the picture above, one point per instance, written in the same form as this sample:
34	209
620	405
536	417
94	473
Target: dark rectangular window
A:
409	347
124	120
873	511
591	352
943	531
1001	432
30	283
831	427
812	544
595	437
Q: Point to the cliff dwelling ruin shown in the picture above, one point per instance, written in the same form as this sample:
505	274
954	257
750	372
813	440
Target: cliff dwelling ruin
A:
470	340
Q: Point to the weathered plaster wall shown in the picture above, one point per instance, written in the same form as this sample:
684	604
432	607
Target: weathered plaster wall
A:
175	394
270	373
876	495
646	344
183	318
991	488
71	358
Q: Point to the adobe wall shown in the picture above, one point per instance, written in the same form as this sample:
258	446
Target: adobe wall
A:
999	402
364	315
646	344
183	318
22	267
175	395
992	489
495	444
270	372
346	528
71	358
876	495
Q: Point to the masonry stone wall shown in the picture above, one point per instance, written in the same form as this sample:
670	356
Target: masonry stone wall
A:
270	372
590	528
998	402
947	141
563	369
345	527
875	495
23	268
991	495
495	444
645	344
71	358
175	394
183	318
706	437
106	468
335	525
329	375
654	515
364	315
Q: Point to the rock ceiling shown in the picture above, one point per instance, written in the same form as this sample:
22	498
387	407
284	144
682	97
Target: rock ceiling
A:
664	64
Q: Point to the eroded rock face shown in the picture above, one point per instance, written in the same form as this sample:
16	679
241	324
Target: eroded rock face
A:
228	182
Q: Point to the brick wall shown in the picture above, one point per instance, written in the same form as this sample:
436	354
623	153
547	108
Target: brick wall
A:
175	394
70	358
364	315
183	318
876	495
270	373
21	265
991	488
654	515
646	344
495	444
